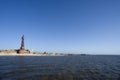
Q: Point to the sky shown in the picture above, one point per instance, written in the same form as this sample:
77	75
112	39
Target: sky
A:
63	26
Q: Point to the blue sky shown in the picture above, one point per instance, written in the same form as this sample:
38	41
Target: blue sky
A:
74	26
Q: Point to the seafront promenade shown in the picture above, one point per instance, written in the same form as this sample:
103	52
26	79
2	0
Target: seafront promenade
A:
4	54
24	52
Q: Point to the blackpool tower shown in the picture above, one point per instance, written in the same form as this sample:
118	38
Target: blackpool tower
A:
22	48
22	44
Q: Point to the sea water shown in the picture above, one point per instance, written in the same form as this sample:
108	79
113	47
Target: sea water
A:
89	67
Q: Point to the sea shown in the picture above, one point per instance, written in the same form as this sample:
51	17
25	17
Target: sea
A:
87	67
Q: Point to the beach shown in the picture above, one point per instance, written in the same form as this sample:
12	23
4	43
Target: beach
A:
14	54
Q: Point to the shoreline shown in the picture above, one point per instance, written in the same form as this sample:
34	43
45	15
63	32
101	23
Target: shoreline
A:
29	55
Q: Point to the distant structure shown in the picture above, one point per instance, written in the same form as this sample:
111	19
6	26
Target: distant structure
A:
22	48
22	43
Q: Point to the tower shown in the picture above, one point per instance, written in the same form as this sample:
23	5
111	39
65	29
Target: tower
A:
22	48
22	44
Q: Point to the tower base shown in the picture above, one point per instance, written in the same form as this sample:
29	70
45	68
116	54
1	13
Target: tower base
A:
22	51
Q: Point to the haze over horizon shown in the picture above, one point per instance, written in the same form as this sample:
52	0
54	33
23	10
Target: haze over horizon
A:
65	26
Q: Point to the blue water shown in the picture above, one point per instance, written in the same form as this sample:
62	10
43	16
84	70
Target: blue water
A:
90	67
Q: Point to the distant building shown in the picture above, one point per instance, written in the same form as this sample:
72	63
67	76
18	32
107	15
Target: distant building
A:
22	48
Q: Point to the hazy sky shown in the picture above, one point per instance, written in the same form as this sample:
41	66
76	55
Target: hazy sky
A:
76	26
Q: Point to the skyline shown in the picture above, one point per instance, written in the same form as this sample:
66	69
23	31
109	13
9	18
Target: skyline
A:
63	26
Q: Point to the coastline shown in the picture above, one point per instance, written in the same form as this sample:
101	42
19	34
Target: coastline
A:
31	55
